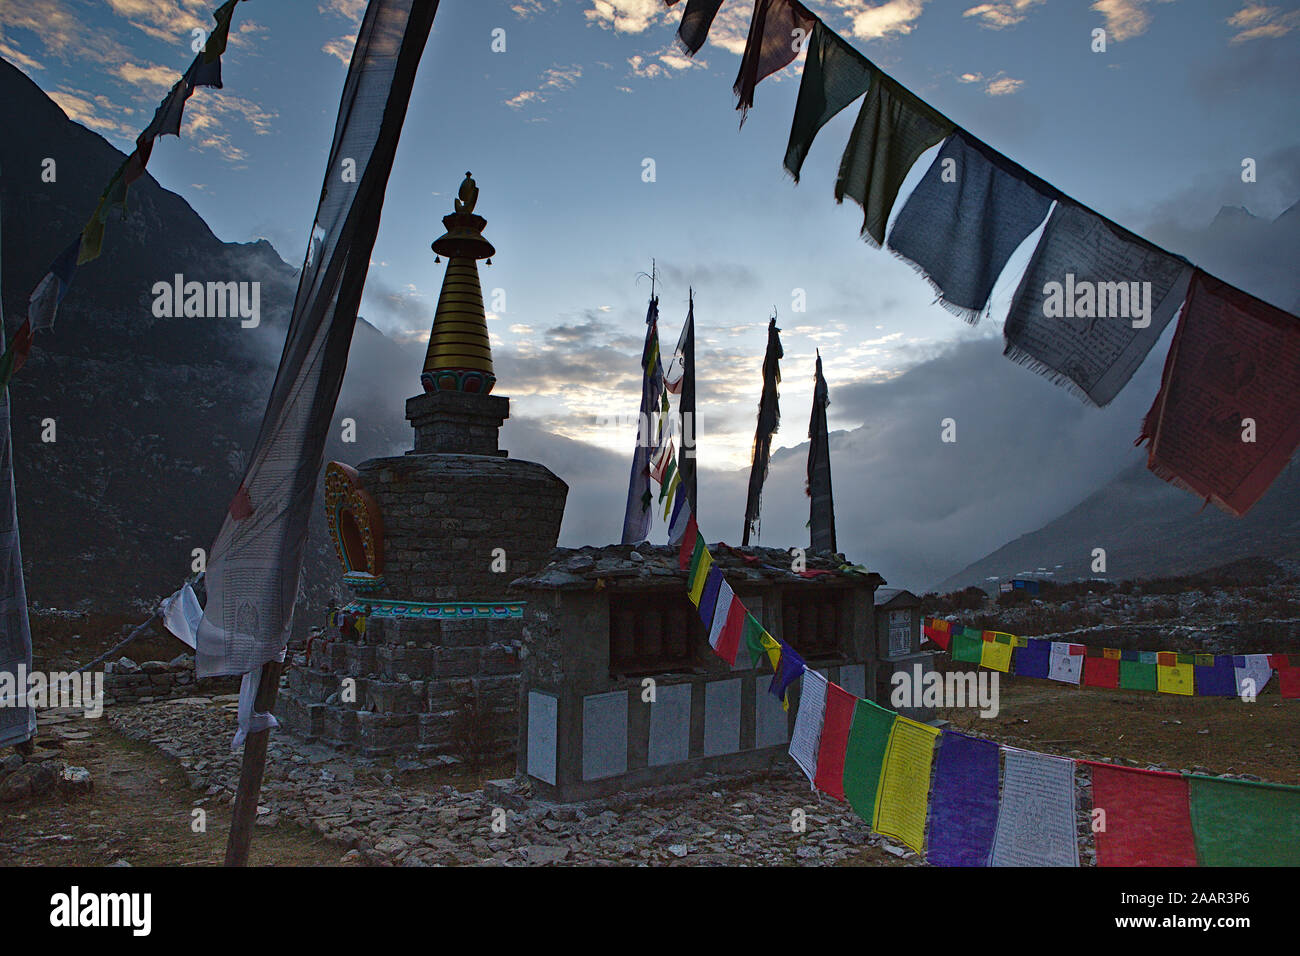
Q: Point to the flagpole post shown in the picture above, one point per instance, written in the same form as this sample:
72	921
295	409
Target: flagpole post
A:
252	770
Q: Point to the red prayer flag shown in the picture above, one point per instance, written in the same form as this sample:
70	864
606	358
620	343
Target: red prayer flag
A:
1278	662
688	544
732	628
835	741
1148	819
1166	658
940	632
1233	368
1288	682
1101	672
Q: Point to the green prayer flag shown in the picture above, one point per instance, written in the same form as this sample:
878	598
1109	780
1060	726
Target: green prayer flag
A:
1138	675
865	754
753	637
1188	659
1242	823
967	648
834	75
893	129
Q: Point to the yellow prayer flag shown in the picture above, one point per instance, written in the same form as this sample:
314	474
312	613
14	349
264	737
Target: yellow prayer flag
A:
1020	641
701	575
996	656
1176	679
773	648
1110	653
904	792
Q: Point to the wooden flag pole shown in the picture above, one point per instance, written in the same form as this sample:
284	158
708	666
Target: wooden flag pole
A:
252	771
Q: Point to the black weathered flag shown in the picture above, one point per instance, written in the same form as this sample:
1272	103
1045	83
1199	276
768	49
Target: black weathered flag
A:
821	517
769	419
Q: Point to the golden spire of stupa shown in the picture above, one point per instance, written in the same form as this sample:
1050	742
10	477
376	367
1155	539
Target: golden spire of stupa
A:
459	358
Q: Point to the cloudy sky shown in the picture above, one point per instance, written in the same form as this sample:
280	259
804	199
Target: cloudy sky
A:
558	128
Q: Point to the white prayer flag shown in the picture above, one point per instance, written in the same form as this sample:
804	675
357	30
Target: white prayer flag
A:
1036	825
1258	670
807	737
720	611
1064	666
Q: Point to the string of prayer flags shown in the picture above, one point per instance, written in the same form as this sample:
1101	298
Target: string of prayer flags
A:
963	801
1226	419
777	30
893	129
696	21
1142	817
965	218
834	75
904	792
805	741
833	744
1065	663
1243	823
864	756
1036	814
1093	301
995	651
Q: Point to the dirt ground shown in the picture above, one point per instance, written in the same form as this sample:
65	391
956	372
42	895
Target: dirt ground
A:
1214	734
140	811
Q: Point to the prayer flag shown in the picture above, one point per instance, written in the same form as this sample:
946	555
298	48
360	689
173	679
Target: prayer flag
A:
216	43
1136	675
752	636
709	596
769	419
1288	682
968	214
255	563
778	31
805	742
963	801
834	75
821	508
905	782
1251	672
938	631
1101	672
696	20
637	517
701	564
893	129
679	379
790	667
728	621
1175	679
1147	820
681	520
1219	679
1234	360
864	756
1065	663
772	647
690	538
1091	304
996	654
834	740
1036	824
1034	659
1242	823
967	647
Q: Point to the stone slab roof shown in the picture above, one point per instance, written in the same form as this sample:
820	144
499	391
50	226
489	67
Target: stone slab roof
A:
633	567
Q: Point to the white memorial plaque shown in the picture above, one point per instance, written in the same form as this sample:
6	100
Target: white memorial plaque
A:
604	735
670	725
543	710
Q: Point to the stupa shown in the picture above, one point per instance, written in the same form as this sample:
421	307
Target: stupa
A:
427	655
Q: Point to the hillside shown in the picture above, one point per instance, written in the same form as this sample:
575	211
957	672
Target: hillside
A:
154	416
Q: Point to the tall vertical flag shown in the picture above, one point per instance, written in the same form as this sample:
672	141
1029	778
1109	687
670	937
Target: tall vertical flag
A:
256	560
821	518
679	379
769	419
17	723
636	519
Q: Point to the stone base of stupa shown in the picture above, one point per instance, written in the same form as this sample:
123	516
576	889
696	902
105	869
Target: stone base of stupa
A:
409	687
